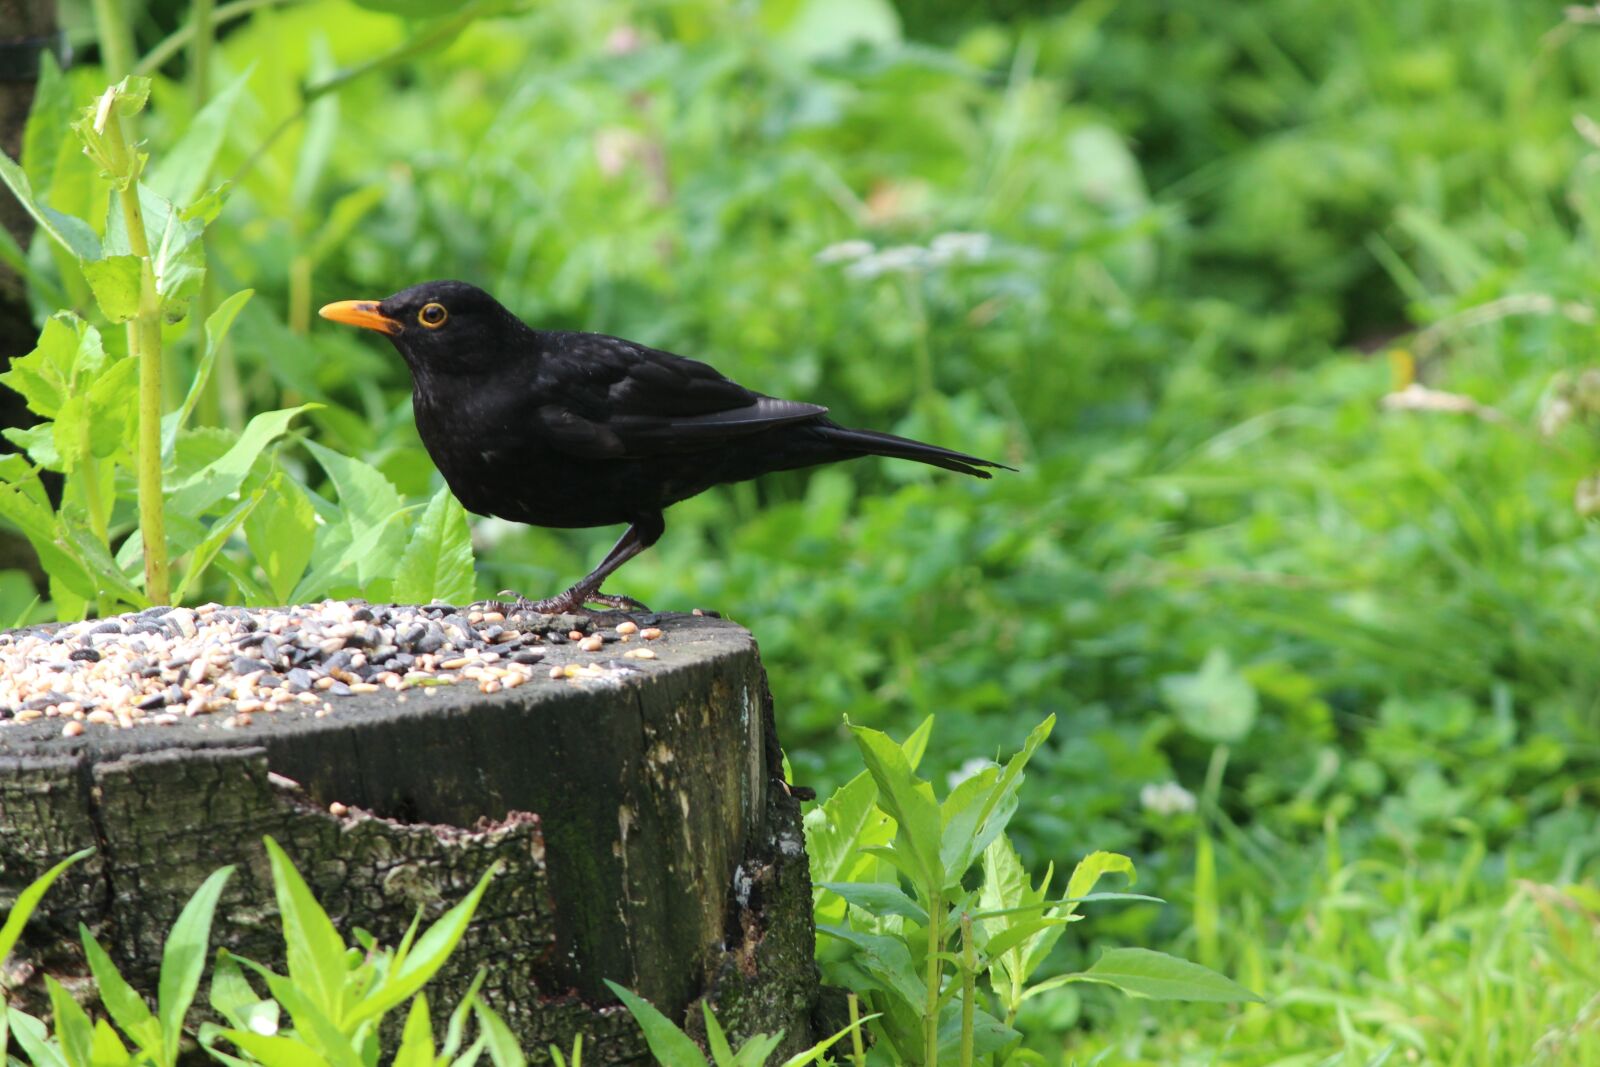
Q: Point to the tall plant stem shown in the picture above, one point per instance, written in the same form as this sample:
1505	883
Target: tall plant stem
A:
116	39
969	988
200	51
144	344
930	1020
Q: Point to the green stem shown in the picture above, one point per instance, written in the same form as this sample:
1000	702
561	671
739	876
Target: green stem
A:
930	1019
300	295
858	1051
144	344
435	34
180	38
116	39
200	50
918	309
969	990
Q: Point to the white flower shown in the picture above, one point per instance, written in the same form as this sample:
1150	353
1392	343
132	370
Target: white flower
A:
972	767
844	251
949	247
1167	798
901	259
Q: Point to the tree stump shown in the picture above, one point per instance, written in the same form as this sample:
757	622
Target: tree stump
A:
639	816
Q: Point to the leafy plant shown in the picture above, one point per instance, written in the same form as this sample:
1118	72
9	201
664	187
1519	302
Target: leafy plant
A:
674	1048
917	957
336	996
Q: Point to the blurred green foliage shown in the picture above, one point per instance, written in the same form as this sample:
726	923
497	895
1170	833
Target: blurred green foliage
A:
1356	624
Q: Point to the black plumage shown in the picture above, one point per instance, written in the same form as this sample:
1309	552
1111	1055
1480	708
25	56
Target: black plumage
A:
557	428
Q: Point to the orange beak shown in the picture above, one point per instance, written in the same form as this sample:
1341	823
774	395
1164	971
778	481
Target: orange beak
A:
363	313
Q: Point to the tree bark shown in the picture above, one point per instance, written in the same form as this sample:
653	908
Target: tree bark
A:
640	818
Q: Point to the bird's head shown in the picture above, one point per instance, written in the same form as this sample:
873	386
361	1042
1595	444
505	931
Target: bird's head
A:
439	327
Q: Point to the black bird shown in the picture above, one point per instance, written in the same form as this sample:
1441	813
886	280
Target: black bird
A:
566	429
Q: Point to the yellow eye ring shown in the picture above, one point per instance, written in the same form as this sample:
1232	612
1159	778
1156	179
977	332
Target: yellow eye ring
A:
432	316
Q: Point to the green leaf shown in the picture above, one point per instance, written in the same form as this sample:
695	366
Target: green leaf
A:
670	1045
416	1040
183	958
977	811
73	1029
126	1008
34	1039
717	1041
909	801
1147	973
879	898
281	533
68	231
368	498
988	1035
438	560
107	1049
413	8
202	554
314	949
103	141
813	29
424	960
817	1051
185	167
1097	865
276	1051
504	1051
28	899
218	323
1216	703
223	477
232	997
1021	933
115	281
886	959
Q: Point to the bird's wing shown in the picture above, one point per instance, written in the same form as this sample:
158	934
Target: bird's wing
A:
624	400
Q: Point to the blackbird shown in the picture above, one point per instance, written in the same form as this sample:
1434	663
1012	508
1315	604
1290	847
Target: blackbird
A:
556	428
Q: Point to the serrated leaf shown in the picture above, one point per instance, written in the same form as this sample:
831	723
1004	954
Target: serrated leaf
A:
223	477
437	563
281	533
115	282
909	801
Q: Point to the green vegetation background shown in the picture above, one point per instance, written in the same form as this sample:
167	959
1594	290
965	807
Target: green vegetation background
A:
1359	632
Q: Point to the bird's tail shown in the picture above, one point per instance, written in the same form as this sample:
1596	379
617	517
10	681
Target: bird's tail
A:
872	443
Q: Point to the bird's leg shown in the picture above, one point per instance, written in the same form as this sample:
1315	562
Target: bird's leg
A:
638	537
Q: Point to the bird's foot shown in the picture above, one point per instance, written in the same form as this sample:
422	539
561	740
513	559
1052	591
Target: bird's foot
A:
616	601
569	602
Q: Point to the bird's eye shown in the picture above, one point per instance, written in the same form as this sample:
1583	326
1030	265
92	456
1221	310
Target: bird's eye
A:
432	316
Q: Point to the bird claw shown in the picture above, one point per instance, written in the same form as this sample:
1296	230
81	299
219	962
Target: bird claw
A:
569	602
